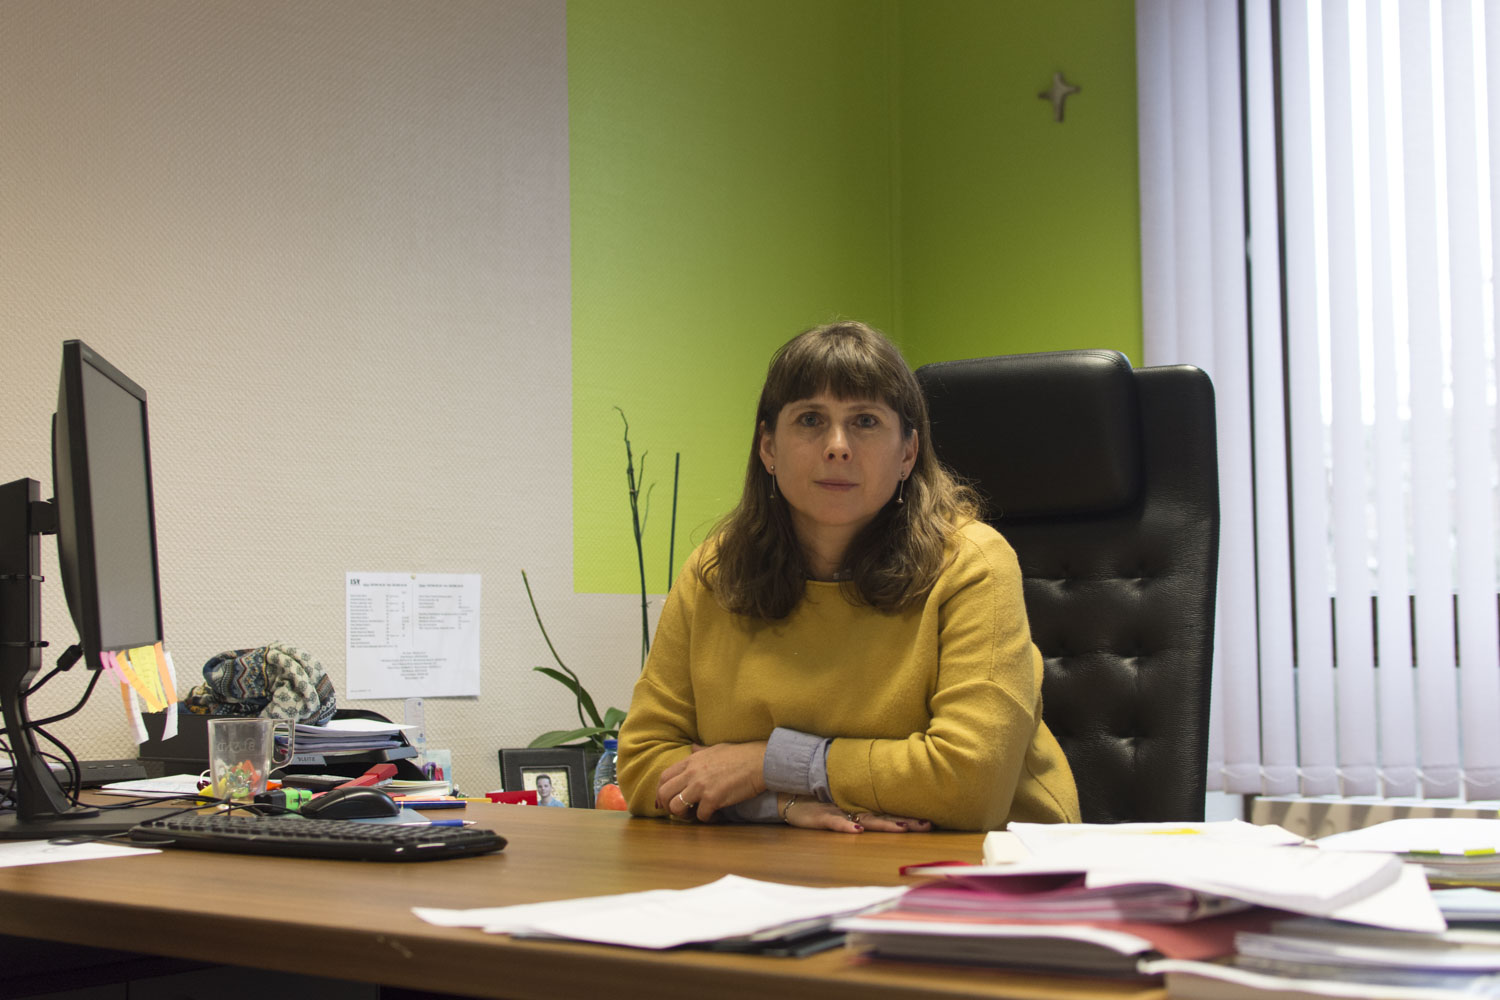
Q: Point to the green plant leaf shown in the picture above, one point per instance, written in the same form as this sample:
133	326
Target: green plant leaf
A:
558	737
548	639
638	492
572	684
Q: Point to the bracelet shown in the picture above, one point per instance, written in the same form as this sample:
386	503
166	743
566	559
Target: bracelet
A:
787	808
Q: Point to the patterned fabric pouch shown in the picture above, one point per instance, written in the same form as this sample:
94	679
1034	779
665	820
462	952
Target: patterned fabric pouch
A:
277	681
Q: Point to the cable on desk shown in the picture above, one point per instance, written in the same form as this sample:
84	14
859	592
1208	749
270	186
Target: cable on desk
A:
74	784
70	656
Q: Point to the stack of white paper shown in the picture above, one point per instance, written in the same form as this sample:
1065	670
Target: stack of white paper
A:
1139	892
1308	957
1229	981
1468	905
1457	849
732	907
347	735
1374	889
1329	942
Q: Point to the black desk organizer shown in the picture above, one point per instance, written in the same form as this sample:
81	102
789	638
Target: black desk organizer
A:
187	752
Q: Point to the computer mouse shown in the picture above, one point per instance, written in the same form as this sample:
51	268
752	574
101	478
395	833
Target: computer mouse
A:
354	802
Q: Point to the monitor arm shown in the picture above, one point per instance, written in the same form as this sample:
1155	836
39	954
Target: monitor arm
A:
24	518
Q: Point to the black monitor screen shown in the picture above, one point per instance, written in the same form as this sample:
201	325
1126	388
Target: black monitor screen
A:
106	535
106	546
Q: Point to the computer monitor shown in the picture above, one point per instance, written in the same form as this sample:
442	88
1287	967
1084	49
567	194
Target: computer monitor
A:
104	519
106	525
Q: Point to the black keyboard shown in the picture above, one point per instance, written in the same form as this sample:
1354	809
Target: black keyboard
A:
299	837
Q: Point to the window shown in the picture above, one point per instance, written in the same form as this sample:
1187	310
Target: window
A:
1318	234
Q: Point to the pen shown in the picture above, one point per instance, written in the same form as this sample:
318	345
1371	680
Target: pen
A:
441	822
433	803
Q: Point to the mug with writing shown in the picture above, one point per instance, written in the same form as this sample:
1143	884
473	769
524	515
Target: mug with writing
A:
242	752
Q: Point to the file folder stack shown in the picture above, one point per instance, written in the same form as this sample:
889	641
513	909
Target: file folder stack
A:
1117	901
1054	923
1312	958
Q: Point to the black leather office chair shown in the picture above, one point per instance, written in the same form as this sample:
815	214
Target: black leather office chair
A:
1104	479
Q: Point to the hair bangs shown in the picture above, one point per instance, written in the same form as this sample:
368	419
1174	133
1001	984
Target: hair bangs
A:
847	360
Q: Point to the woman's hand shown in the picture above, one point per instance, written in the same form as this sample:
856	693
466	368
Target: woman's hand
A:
810	814
711	778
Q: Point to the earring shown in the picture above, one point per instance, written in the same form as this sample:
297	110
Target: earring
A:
773	482
901	488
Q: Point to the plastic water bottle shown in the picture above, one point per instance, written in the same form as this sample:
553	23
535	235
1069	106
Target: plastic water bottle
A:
604	774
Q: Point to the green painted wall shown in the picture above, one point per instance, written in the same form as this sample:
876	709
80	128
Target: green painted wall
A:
742	170
731	185
1017	233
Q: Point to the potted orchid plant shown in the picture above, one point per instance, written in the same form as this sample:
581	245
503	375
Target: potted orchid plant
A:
593	726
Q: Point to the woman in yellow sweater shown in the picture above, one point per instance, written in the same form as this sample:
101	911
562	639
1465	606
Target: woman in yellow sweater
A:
849	651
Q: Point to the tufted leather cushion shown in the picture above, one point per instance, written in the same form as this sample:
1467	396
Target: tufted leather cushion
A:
1089	459
1112	507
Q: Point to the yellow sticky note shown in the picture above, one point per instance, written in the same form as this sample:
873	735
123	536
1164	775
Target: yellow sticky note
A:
124	686
128	668
148	668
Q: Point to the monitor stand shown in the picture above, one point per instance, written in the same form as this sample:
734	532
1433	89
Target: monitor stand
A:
87	823
42	810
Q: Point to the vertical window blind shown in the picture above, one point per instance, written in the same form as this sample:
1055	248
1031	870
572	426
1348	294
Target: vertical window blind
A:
1318	234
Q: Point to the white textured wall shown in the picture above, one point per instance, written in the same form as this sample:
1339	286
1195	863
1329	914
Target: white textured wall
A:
331	240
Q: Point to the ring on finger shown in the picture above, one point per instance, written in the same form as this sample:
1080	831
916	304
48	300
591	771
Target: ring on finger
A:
690	805
853	817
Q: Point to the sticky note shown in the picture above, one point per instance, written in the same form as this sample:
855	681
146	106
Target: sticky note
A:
147	668
128	668
168	673
169	681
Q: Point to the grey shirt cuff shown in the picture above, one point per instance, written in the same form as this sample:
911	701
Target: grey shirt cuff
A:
761	809
797	762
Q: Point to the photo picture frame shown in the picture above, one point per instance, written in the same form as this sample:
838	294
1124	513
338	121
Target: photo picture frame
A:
559	775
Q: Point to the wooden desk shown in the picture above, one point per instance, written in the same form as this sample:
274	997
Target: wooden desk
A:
352	920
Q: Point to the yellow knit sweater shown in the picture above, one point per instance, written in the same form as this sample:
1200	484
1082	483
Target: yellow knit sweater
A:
935	713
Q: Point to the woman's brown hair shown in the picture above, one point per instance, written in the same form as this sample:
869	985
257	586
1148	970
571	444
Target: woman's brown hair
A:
757	568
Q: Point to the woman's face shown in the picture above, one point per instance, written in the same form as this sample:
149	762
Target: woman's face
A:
837	462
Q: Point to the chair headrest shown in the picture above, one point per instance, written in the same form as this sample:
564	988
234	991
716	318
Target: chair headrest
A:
1050	433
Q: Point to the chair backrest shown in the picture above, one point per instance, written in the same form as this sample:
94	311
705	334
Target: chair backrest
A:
1104	479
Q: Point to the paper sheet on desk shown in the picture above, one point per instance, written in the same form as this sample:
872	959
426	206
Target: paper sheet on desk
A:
1020	841
1458	835
169	786
1039	837
665	918
42	852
